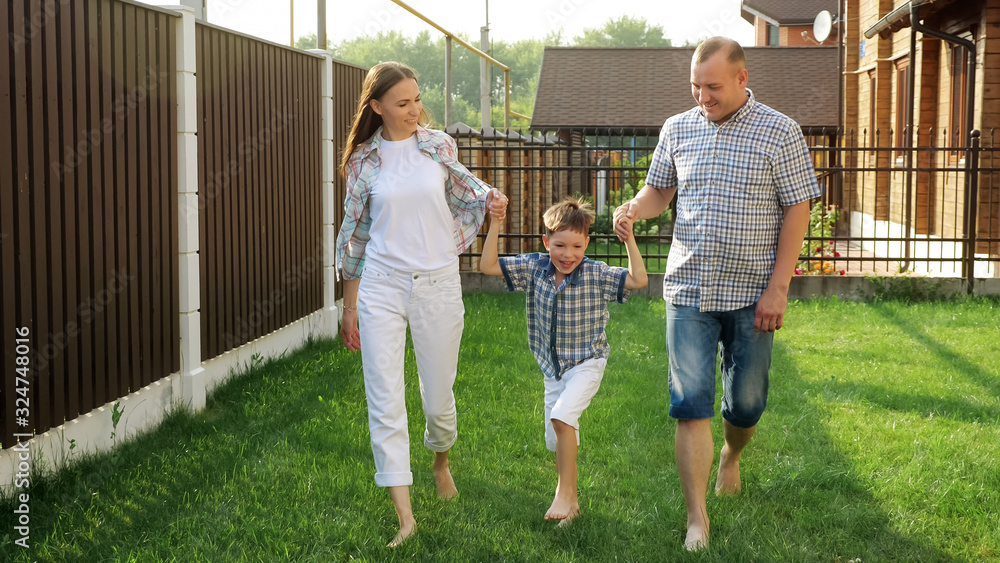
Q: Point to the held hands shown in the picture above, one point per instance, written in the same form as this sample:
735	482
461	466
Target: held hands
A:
625	216
496	204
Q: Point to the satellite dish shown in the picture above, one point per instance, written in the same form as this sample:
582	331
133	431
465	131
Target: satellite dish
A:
822	25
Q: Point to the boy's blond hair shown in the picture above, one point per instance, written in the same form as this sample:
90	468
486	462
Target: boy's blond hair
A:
569	214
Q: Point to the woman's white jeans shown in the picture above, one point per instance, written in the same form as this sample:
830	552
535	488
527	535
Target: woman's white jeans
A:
432	304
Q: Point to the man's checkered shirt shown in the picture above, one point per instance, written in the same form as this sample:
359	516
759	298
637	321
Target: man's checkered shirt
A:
732	181
565	323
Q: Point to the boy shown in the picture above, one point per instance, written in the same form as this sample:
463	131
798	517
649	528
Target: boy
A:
567	309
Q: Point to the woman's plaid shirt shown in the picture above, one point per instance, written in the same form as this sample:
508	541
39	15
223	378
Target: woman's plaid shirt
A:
732	181
465	193
565	323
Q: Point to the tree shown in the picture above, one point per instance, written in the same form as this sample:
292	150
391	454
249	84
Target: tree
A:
623	32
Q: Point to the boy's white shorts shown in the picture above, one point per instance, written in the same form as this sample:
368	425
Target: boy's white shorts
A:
568	397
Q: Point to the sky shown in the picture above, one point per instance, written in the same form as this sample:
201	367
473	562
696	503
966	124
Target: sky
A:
509	20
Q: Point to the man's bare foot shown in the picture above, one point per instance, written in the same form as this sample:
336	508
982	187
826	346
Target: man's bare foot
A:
442	475
728	480
697	538
406	529
565	509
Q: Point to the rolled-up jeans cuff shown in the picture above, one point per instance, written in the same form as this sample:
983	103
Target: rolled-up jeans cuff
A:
401	479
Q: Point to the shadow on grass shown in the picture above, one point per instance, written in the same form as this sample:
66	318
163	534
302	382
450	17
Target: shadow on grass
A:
975	372
807	494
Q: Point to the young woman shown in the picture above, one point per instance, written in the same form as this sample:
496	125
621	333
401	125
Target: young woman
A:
411	209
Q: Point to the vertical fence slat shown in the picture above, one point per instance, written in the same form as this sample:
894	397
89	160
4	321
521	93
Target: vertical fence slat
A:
8	281
254	180
39	249
70	211
156	28
243	325
143	221
81	379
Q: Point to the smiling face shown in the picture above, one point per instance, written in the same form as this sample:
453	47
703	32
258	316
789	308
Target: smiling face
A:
566	249
400	109
718	86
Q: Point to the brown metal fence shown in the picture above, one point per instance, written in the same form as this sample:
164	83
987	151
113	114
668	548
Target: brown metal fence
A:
88	207
259	121
885	210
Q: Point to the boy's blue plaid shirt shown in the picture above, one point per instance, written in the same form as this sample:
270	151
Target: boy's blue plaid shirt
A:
565	323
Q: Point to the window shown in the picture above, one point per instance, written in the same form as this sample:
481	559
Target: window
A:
872	125
959	66
772	35
902	100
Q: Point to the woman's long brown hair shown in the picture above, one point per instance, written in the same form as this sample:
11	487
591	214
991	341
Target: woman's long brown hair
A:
379	80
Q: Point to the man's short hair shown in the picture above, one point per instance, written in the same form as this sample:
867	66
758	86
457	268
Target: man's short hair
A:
569	214
711	46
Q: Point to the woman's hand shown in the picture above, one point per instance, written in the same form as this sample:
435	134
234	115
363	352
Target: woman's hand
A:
496	204
349	332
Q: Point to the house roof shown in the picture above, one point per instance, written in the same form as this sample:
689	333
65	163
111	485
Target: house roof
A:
783	12
638	88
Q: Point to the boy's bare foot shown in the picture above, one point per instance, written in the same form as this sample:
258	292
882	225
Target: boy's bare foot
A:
697	538
728	480
406	529
442	475
564	509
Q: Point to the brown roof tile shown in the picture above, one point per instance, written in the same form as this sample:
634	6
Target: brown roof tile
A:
597	87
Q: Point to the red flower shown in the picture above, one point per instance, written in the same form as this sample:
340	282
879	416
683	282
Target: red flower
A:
819	249
842	272
836	254
798	272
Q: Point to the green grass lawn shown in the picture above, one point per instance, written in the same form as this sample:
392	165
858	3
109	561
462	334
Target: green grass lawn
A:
880	443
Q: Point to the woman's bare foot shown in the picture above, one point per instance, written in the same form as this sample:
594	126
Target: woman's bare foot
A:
407	528
565	509
728	480
442	476
697	537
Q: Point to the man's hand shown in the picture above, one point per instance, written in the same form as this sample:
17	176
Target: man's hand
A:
625	215
769	315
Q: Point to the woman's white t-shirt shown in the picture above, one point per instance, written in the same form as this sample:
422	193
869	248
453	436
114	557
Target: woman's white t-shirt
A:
412	228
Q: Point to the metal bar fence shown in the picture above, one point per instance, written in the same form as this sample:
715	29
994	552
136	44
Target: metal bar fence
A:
876	215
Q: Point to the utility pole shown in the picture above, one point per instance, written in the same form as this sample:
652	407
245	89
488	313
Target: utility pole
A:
484	71
321	19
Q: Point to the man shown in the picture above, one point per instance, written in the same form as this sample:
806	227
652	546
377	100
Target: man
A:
743	179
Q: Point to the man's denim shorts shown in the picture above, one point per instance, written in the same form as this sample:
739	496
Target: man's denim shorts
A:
693	339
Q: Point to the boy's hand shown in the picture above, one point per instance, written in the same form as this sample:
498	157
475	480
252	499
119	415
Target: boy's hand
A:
496	204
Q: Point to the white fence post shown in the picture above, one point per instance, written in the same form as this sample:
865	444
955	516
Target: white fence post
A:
331	324
192	378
